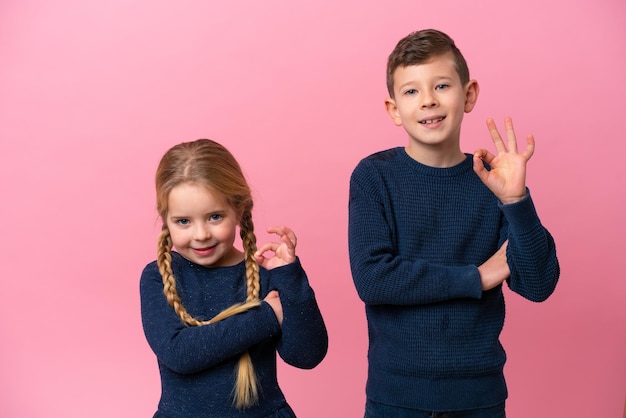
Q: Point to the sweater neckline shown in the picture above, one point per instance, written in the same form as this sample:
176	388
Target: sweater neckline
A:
455	170
201	267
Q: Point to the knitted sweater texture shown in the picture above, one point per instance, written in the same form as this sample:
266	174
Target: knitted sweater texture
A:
416	237
197	364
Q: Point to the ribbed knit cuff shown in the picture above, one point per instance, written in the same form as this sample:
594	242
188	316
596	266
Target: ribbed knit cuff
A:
465	283
521	215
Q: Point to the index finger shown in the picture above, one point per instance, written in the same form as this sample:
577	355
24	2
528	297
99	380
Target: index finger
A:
268	246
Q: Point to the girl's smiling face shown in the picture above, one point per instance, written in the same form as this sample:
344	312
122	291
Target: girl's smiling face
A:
202	226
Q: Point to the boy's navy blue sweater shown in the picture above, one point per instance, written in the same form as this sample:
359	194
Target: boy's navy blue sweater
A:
197	364
416	237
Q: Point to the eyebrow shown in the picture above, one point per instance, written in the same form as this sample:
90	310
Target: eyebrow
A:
436	79
220	211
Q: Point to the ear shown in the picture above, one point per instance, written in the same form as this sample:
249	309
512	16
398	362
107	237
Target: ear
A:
392	110
471	95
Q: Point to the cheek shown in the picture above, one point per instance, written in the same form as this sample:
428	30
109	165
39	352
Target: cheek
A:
179	238
228	233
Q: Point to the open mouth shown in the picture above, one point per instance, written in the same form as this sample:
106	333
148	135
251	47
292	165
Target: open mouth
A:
431	121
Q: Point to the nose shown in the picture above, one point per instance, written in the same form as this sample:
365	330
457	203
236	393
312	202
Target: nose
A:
428	99
201	232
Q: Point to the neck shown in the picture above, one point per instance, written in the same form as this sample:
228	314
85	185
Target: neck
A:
233	257
436	156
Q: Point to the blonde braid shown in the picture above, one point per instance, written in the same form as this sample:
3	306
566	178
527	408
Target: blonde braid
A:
164	262
249	246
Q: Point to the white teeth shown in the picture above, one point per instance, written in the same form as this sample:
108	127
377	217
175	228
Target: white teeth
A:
431	121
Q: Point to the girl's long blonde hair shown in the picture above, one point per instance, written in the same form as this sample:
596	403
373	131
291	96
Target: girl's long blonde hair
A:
207	163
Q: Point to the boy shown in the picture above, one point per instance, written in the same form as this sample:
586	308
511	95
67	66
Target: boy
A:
433	233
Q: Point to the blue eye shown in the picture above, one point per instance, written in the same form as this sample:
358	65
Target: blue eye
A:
183	222
410	92
442	87
215	217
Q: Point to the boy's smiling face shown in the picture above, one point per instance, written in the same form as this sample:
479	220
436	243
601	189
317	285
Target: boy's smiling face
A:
429	103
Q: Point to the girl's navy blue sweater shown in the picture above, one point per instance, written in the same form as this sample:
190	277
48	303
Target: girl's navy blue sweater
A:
197	364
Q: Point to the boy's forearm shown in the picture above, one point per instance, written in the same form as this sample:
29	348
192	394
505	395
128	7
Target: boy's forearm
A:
534	266
393	281
531	253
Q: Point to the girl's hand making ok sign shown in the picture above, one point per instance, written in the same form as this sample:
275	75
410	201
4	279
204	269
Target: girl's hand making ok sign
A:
284	251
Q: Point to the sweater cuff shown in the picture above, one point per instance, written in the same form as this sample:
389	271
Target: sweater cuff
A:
273	327
520	215
466	284
291	282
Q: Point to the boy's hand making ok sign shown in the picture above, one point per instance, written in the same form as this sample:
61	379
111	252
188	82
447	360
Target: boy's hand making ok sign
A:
507	177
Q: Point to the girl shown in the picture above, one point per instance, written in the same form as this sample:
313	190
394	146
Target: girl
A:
214	315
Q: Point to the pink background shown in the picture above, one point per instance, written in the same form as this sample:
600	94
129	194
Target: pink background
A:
92	93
